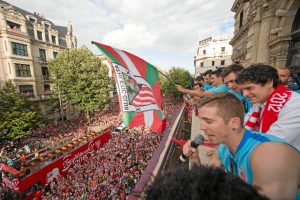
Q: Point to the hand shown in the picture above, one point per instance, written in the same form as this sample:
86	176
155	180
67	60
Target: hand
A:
188	150
179	88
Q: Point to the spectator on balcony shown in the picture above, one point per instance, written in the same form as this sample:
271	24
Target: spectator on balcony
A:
277	108
229	75
207	80
216	81
284	75
262	160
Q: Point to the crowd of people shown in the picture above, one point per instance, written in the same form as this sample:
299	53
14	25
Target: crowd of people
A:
112	172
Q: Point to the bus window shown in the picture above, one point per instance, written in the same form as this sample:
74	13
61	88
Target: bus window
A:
32	189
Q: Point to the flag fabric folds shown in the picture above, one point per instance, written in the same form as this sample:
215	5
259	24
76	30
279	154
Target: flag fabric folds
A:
138	88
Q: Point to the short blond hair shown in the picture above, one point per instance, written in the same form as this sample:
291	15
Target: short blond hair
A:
228	105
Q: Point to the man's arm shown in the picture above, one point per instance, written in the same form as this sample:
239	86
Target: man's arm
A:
276	170
198	93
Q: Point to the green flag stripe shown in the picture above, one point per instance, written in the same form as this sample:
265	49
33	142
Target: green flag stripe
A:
151	74
111	57
159	114
127	117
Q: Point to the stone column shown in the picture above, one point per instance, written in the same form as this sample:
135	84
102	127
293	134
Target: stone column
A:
264	34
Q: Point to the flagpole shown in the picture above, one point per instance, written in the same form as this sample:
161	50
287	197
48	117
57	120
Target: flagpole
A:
166	77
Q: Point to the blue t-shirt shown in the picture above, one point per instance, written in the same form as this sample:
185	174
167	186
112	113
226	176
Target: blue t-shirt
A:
239	164
206	87
221	88
245	101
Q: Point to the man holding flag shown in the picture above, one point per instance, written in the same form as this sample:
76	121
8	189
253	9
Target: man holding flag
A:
138	88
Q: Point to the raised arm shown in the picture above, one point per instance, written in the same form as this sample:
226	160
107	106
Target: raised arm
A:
198	93
276	170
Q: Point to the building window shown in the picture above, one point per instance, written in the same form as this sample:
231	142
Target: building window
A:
55	54
13	25
26	90
294	49
22	70
222	49
53	38
39	35
47	36
19	49
42	55
47	90
212	63
45	73
222	62
50	108
241	18
32	20
201	64
204	51
46	26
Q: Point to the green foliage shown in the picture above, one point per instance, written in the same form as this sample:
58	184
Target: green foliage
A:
179	76
81	78
17	114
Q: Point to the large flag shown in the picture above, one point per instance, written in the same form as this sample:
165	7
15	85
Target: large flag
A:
138	88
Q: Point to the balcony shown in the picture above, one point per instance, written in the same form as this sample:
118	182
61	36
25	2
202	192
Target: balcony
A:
46	78
43	59
47	92
16	30
27	94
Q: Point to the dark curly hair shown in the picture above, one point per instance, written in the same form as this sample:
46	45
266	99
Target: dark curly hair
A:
259	74
201	183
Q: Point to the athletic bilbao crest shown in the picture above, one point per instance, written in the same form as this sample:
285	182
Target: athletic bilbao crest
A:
135	93
138	88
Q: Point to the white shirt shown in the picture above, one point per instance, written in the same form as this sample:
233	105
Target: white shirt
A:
287	126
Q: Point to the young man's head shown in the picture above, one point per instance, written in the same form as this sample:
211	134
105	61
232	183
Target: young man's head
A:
206	76
284	75
215	77
199	80
220	114
200	183
229	76
257	82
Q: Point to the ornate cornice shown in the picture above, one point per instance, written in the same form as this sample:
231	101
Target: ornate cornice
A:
240	33
9	10
280	39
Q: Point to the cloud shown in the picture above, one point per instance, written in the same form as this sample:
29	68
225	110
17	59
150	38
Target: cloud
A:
156	27
131	37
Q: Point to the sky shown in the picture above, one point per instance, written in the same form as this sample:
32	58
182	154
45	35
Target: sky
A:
163	32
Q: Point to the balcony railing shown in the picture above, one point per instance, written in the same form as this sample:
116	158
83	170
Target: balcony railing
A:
46	77
16	30
47	92
27	94
43	59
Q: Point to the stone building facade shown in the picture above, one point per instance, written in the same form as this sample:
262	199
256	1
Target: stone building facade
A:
212	53
27	42
266	31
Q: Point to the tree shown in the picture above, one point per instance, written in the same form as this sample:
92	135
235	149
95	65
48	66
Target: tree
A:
179	76
81	78
18	116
